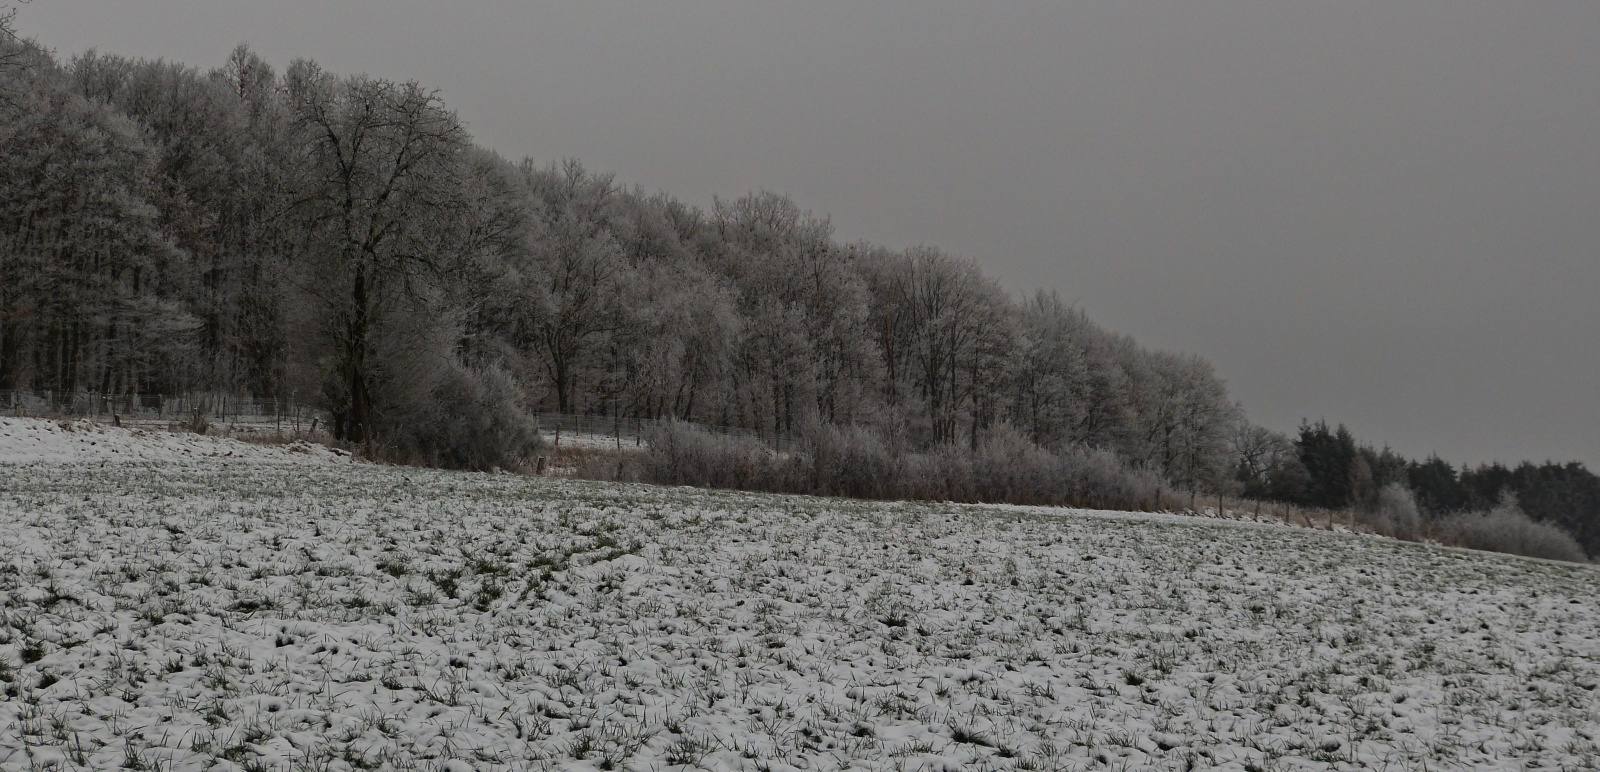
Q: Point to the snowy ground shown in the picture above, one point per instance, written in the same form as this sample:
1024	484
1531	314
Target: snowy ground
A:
168	606
31	440
589	442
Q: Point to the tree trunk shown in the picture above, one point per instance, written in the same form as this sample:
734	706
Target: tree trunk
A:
358	424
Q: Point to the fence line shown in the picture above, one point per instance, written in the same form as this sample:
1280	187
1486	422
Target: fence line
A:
288	414
191	408
633	430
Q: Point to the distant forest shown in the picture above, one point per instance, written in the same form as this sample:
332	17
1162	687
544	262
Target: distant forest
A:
342	240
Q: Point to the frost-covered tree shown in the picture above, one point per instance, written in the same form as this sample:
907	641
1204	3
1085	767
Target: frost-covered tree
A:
219	144
377	192
85	301
340	239
805	352
1184	420
947	329
1268	464
573	275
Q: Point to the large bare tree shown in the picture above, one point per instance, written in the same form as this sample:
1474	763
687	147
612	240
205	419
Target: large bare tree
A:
379	192
572	275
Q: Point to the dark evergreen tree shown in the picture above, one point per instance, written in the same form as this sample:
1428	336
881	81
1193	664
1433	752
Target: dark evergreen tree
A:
1437	489
1566	495
1328	457
1484	484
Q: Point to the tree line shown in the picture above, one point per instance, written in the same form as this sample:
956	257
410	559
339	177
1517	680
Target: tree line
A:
1328	468
342	240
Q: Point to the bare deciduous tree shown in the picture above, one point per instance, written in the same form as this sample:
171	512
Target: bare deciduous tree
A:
378	193
168	229
572	279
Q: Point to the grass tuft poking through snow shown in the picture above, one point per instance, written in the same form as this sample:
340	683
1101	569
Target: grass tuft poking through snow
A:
164	610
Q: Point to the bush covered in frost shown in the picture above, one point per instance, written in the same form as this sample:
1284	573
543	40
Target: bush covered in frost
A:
1506	528
851	461
459	417
681	454
855	462
1396	514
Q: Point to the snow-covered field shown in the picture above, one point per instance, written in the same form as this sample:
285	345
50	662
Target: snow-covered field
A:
165	605
30	441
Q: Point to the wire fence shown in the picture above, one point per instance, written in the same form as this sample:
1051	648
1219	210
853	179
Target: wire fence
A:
597	430
193	410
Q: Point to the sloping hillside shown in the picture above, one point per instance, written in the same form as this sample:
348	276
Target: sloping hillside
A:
276	609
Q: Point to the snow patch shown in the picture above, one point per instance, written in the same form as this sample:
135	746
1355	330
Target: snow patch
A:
37	440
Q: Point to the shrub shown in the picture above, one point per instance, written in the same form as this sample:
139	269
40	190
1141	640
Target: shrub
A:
465	418
1102	480
682	454
1009	469
851	461
1507	529
941	474
1396	514
854	462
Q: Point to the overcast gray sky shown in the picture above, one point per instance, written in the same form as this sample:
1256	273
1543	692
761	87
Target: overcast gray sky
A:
1385	214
